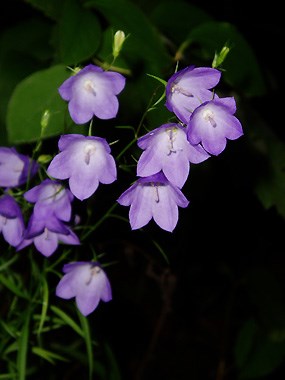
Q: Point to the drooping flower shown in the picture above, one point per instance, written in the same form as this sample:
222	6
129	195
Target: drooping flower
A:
46	234
11	220
85	161
153	197
212	123
166	148
87	282
15	168
51	197
52	207
92	92
188	88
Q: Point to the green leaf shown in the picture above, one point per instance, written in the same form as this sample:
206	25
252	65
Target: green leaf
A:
175	19
30	43
79	33
29	50
143	46
256	354
241	69
270	187
50	8
31	98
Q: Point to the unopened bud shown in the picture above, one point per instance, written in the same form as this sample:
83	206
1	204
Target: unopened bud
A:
119	39
45	119
220	57
76	70
44	158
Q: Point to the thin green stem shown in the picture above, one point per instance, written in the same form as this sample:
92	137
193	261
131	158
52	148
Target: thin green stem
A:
90	128
126	148
149	106
100	221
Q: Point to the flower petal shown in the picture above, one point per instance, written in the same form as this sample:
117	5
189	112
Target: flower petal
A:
65	288
46	243
92	92
165	211
13	231
141	208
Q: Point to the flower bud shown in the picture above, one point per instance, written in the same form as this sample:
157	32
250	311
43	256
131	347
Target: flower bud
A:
45	119
44	158
220	57
119	39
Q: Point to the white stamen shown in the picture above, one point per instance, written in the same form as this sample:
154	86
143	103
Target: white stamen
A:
208	115
156	194
89	150
46	234
93	271
89	86
172	133
4	220
181	90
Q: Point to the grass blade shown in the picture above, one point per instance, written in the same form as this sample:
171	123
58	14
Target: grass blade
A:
23	348
68	321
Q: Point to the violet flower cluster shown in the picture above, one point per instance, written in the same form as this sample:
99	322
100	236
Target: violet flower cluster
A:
15	170
46	227
85	162
204	124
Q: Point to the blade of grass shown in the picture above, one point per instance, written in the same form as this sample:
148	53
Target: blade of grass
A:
9	283
7	264
23	348
8	376
68	321
48	355
44	305
88	342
